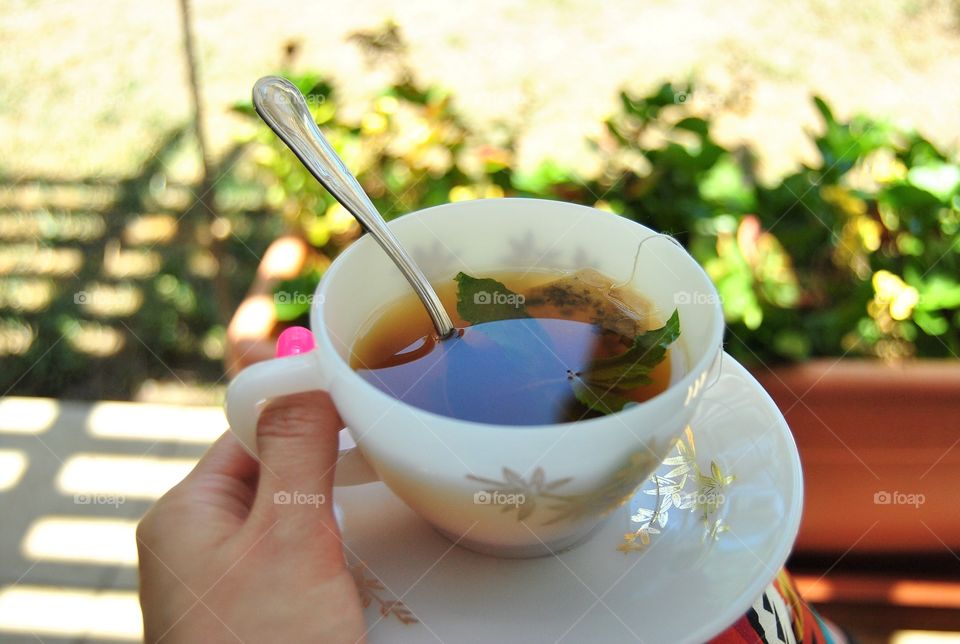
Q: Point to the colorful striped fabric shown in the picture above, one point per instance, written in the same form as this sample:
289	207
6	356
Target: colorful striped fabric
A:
780	616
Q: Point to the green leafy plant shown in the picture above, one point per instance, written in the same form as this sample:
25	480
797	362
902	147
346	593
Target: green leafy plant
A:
856	256
859	255
409	150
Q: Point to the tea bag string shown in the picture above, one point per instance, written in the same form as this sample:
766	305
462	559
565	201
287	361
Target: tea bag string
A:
633	273
636	256
636	263
719	362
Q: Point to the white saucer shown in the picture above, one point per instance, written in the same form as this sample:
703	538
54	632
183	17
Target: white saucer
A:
697	569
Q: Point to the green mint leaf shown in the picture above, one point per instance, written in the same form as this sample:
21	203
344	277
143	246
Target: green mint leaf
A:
632	367
487	300
598	398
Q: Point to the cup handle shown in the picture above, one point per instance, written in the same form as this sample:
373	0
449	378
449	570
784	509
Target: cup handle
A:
292	374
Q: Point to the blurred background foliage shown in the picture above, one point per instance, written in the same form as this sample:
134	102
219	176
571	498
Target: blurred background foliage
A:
857	256
103	293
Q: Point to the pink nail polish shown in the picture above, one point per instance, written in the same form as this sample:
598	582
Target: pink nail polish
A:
294	340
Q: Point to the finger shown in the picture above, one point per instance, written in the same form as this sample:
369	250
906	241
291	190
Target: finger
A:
223	480
226	457
297	441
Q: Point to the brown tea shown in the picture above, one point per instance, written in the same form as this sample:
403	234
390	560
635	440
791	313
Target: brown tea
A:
530	349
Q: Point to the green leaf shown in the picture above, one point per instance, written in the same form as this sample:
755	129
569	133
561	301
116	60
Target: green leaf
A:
312	86
631	106
487	300
243	107
617	134
902	196
938	292
693	124
667	94
941	179
292	297
540	179
632	367
598	398
726	185
931	323
824	110
792	344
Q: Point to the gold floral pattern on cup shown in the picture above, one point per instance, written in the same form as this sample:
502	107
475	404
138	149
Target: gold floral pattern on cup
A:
685	487
525	496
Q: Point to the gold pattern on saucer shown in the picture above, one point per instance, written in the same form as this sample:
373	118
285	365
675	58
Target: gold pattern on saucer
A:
371	590
616	491
525	496
684	487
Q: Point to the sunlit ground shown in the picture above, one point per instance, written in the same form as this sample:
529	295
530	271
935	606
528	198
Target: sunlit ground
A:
74	480
76	477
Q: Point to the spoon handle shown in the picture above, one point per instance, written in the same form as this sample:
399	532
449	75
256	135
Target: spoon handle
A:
281	105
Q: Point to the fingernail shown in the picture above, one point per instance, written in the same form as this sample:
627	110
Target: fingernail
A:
294	340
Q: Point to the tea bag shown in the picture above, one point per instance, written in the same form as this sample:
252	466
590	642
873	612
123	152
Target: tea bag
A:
589	296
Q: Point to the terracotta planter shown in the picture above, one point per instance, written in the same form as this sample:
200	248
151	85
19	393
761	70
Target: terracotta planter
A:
880	447
252	333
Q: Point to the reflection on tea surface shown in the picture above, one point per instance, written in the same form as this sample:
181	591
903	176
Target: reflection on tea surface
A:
534	348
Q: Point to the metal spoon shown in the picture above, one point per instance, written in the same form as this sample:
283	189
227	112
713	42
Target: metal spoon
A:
281	105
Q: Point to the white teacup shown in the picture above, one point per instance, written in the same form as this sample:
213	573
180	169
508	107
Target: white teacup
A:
489	487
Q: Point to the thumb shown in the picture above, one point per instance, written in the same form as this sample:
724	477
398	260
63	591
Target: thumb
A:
297	442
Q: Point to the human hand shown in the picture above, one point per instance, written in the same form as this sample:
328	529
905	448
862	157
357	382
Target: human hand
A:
220	561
